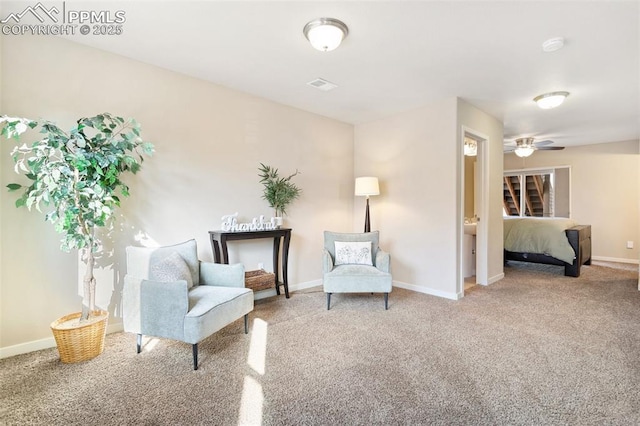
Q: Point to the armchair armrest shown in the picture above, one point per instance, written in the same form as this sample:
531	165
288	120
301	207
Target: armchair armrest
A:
163	306
222	275
383	260
327	261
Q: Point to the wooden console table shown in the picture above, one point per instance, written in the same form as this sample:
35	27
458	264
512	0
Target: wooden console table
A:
219	239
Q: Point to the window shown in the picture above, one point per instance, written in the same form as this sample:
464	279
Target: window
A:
537	193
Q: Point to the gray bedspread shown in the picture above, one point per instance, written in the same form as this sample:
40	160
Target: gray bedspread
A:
539	235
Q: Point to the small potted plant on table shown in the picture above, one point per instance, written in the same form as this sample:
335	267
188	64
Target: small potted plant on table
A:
74	179
278	191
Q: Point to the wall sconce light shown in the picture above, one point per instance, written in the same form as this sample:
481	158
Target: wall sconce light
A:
325	34
367	186
550	100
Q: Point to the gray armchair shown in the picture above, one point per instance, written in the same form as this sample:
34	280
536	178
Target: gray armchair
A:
169	293
355	268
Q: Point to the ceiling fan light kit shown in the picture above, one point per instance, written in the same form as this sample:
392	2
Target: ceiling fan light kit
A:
524	151
550	100
325	34
524	147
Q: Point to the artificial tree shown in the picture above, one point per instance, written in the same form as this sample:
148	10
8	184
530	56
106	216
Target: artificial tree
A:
279	192
75	179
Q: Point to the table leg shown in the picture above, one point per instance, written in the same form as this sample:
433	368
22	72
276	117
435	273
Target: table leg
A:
285	263
225	253
276	257
216	250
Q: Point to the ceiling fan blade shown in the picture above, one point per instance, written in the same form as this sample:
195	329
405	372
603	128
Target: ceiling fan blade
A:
507	150
543	143
550	148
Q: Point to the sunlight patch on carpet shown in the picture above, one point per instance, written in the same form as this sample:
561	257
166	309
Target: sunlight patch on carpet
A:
151	343
251	403
258	347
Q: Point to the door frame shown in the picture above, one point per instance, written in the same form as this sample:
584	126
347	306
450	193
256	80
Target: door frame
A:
482	240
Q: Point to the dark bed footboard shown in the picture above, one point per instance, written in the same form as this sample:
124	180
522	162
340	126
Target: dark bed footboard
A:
580	240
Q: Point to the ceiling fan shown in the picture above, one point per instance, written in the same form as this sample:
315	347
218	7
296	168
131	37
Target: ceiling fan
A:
524	147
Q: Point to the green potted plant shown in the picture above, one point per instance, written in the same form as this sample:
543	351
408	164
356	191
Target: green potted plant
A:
74	179
278	191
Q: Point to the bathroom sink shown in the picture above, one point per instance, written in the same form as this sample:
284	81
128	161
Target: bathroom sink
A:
470	228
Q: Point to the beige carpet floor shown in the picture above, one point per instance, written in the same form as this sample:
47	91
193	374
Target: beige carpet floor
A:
535	348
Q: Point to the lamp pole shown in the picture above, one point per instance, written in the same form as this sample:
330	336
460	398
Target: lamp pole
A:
367	224
367	186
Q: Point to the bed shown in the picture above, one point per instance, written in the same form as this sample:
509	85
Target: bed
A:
552	241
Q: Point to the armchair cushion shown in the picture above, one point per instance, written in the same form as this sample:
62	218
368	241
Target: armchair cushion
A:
357	279
212	308
220	274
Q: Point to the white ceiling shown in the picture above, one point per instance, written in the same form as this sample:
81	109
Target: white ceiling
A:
402	55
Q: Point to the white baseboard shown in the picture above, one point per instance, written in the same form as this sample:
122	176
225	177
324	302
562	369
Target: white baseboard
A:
496	278
615	259
427	290
263	294
305	285
46	343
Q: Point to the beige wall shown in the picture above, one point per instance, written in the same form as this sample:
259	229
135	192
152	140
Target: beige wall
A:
604	192
209	141
418	159
414	156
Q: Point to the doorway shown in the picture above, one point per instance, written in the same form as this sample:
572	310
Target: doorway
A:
473	241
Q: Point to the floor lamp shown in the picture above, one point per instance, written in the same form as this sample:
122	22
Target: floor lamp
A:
367	186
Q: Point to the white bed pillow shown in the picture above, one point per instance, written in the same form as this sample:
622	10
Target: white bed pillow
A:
353	253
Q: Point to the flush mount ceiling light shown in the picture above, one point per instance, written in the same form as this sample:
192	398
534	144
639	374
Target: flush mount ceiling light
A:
553	44
325	34
550	100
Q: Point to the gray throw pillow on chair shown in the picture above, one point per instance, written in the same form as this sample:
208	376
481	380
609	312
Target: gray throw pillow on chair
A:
169	269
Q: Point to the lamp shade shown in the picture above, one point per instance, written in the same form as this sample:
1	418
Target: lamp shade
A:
366	186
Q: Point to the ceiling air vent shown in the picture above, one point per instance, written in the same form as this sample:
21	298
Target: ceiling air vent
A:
321	84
